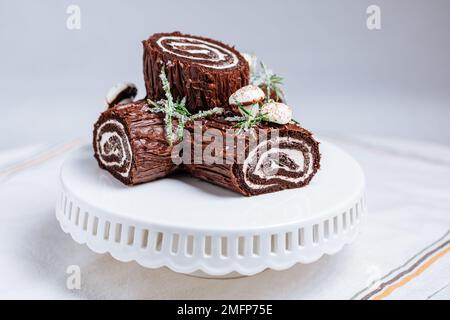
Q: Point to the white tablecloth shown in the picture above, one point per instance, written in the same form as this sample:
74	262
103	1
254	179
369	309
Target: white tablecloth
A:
402	251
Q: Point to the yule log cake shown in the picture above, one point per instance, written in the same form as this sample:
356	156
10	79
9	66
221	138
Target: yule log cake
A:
266	159
203	70
130	142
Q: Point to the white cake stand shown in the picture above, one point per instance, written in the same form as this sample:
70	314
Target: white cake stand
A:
197	228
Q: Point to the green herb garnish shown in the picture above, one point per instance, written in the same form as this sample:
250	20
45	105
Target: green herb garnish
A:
272	82
176	109
248	120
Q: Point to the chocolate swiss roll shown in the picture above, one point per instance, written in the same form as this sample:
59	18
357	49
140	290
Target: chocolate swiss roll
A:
203	70
130	142
270	159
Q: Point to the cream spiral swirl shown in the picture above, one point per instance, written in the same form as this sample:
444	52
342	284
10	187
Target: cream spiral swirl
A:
204	53
285	159
113	147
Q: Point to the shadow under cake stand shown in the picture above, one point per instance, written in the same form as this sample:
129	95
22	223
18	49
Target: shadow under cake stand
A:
196	228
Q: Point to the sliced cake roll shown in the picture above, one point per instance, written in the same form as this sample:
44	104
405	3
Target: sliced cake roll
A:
203	70
265	159
130	142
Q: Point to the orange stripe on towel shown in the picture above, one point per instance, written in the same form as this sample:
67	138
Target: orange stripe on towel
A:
41	158
411	276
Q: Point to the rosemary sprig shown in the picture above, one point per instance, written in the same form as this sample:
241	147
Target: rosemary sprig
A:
176	109
235	118
169	106
271	81
248	120
267	80
206	113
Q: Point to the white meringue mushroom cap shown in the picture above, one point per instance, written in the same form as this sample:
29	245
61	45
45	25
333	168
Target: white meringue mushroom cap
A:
123	87
247	95
247	57
277	112
251	60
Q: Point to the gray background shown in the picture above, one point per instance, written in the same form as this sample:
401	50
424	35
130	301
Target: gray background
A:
341	78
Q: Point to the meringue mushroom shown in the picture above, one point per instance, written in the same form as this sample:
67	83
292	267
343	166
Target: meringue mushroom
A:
277	112
251	60
249	98
121	93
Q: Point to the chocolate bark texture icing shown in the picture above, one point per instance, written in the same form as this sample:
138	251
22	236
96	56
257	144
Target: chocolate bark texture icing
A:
274	158
203	70
130	142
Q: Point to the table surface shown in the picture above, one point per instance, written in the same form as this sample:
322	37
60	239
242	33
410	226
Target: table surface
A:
400	253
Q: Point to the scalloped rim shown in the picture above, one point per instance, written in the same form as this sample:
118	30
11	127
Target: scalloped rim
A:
230	265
